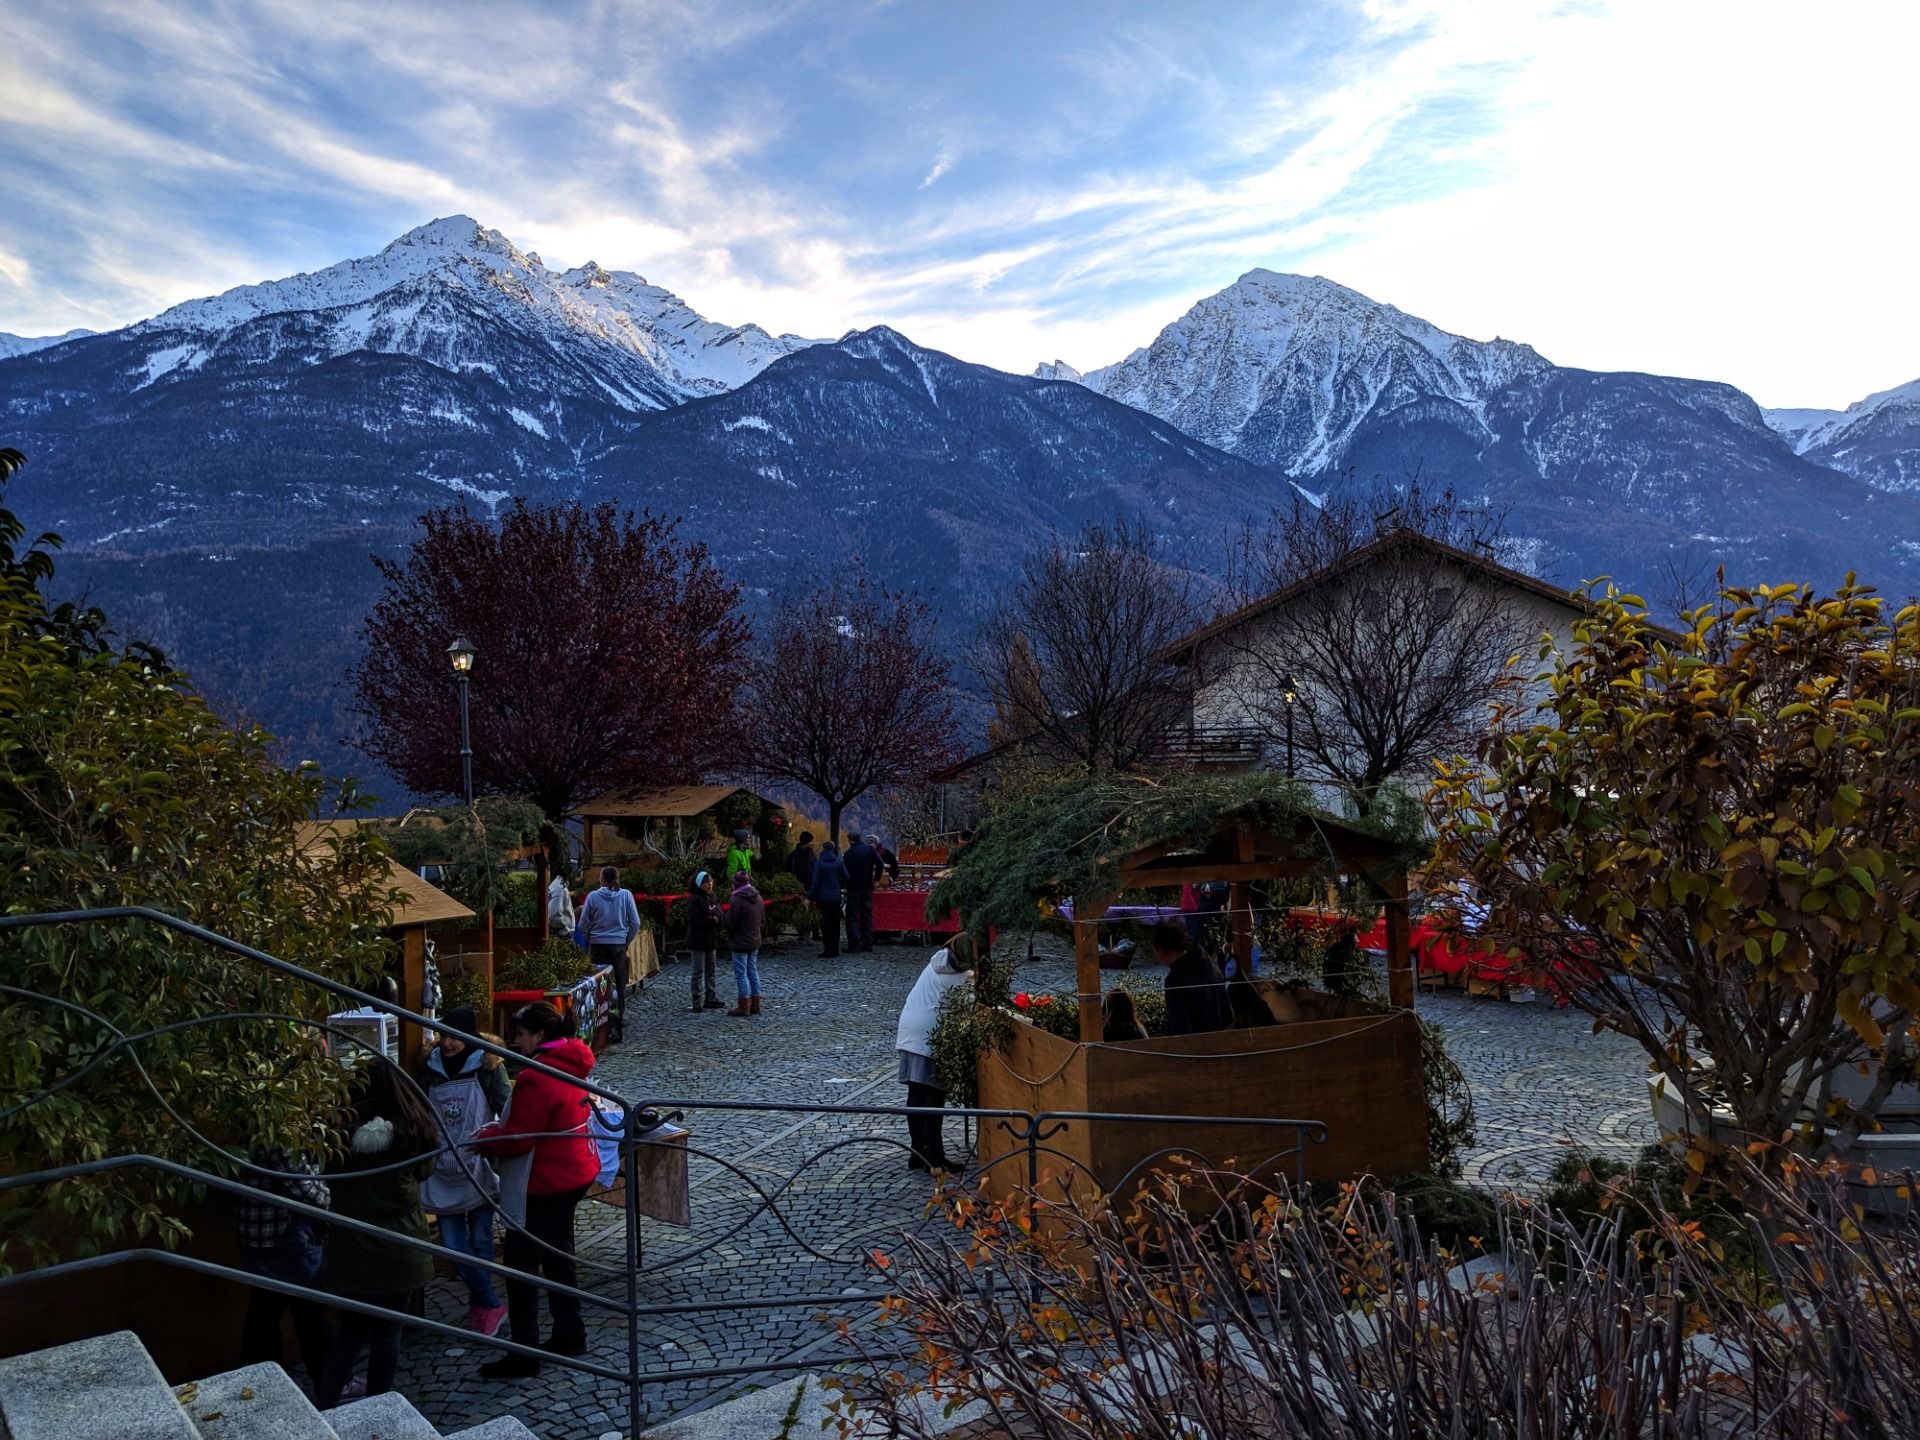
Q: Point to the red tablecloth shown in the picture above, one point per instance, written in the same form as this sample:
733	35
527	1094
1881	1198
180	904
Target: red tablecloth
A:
897	910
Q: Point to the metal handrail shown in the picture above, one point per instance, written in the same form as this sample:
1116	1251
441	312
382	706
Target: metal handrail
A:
1028	1131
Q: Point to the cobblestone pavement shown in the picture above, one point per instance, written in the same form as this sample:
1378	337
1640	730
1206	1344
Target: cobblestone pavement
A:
1540	1079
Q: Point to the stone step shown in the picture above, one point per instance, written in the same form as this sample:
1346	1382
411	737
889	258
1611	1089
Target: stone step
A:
797	1408
502	1427
105	1387
255	1402
381	1417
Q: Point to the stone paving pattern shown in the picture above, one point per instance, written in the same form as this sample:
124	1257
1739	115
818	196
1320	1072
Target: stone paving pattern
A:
1541	1081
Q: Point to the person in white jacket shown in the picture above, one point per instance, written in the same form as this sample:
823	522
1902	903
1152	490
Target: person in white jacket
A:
560	914
949	968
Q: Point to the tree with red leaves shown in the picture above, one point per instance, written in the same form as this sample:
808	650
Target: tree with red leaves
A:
609	655
849	695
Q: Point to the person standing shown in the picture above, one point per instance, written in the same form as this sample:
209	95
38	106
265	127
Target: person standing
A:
281	1245
746	919
800	861
611	919
827	890
704	922
1196	993
863	868
561	918
466	1088
739	854
950	968
388	1126
549	1120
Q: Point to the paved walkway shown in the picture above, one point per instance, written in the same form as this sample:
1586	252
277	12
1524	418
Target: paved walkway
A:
1540	1079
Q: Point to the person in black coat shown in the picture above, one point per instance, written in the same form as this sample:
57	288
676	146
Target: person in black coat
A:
800	862
1196	991
706	923
828	890
863	869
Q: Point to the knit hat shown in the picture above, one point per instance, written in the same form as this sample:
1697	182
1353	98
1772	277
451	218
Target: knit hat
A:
742	880
700	879
461	1018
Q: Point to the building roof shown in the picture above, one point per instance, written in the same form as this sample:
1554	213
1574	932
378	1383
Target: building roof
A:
1182	650
664	803
421	903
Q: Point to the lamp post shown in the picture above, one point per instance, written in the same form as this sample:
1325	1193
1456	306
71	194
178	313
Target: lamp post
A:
1290	697
460	653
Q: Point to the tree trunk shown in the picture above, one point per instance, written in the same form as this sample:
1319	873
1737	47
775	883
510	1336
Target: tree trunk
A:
834	807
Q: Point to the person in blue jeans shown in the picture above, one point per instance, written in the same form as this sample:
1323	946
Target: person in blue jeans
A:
466	1089
746	921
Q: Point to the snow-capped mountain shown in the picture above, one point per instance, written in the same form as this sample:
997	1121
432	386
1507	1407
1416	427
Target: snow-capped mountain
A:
11	345
1876	439
645	346
1285	369
1618	473
451	363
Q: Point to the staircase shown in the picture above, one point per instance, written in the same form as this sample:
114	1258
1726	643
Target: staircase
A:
108	1388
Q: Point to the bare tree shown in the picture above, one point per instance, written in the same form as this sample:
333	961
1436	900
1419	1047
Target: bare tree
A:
1373	633
1075	658
849	695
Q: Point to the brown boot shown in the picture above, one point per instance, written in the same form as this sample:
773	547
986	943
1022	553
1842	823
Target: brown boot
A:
756	1004
745	1007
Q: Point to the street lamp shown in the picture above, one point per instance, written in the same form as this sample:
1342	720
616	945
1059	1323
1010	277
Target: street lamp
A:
1290	697
460	654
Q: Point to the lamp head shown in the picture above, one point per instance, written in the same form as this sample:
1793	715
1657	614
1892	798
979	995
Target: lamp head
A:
461	653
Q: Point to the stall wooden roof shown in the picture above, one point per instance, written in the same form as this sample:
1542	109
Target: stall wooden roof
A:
423	903
667	802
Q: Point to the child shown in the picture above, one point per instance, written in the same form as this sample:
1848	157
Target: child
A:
1123	1021
467	1089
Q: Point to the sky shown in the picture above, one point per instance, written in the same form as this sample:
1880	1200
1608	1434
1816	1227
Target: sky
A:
1719	189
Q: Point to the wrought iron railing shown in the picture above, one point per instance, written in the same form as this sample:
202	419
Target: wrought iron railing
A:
1028	1133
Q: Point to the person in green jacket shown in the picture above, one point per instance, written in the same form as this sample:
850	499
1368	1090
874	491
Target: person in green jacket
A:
389	1123
739	855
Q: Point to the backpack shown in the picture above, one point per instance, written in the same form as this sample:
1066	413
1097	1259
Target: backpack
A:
606	1124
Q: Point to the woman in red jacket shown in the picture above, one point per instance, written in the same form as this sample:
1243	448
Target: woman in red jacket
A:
564	1165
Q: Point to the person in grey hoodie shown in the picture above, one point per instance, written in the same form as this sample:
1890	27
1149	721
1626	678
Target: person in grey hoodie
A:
466	1088
746	922
825	890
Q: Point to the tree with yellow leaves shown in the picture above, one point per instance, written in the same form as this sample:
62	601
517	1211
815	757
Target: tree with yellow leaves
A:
1719	834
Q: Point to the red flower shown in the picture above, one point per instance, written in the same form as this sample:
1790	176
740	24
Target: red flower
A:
1023	1000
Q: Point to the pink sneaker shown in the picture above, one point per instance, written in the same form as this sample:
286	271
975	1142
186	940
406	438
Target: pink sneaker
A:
486	1318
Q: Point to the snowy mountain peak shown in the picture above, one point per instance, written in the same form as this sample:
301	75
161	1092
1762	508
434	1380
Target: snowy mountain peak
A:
452	232
446	292
1876	439
1283	368
1056	370
12	345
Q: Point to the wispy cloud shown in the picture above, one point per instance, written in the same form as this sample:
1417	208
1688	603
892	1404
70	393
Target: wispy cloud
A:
1590	175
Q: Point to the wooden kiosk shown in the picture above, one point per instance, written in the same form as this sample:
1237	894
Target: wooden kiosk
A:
1355	1069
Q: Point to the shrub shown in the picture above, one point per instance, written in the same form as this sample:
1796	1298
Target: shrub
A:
468	987
120	786
554	966
1268	1314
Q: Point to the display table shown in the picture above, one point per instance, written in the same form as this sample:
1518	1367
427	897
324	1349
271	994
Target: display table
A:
588	1003
661	1188
1145	914
904	911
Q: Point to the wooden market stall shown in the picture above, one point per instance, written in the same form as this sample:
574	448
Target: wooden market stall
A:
1354	1068
651	827
420	905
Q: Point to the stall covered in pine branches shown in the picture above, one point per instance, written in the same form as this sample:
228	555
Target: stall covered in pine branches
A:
1355	1070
